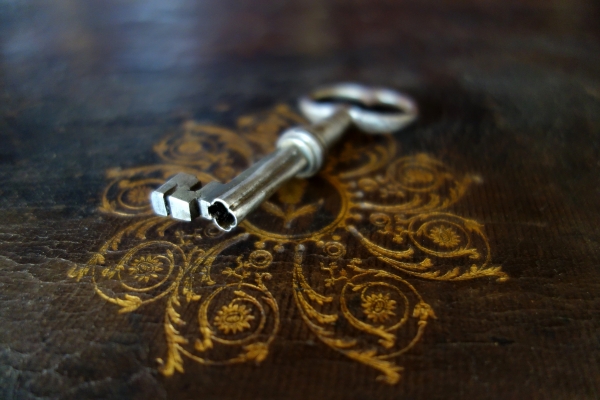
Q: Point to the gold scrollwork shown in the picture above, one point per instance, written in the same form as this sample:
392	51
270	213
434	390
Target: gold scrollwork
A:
427	243
206	147
394	211
416	184
237	321
378	306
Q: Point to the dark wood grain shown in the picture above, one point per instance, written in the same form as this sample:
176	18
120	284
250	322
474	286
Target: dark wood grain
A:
509	94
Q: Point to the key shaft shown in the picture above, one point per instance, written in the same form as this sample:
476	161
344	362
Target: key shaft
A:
300	152
228	204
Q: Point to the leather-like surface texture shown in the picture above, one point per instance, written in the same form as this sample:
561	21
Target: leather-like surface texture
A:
456	259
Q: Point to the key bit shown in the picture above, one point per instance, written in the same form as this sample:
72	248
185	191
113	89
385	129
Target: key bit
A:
177	197
300	153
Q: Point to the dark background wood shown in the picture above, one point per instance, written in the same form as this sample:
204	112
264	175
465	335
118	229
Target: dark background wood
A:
509	89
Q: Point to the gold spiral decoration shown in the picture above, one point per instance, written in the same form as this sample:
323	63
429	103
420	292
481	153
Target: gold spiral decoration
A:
366	225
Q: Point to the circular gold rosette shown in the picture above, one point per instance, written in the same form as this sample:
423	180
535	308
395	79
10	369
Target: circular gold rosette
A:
366	226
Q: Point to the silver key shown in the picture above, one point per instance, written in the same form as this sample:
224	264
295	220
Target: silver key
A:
300	153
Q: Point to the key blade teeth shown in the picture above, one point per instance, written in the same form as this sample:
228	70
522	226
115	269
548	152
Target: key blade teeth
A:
183	204
159	203
158	198
177	197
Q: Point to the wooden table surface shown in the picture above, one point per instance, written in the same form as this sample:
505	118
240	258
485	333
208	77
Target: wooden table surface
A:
457	259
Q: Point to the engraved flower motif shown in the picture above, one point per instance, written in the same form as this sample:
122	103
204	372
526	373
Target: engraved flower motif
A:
233	318
444	236
145	268
139	195
378	307
418	176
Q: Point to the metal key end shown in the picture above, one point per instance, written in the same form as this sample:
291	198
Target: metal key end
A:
177	197
300	153
183	198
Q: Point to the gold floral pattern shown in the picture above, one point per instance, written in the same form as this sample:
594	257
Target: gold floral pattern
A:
145	268
233	318
379	307
139	195
216	287
289	195
418	176
444	236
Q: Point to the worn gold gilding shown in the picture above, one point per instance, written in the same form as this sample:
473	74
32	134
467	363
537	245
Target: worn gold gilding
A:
392	210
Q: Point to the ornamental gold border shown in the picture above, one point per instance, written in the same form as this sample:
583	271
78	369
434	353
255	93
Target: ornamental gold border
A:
237	317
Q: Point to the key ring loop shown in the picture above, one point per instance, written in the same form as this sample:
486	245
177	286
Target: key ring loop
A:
373	110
